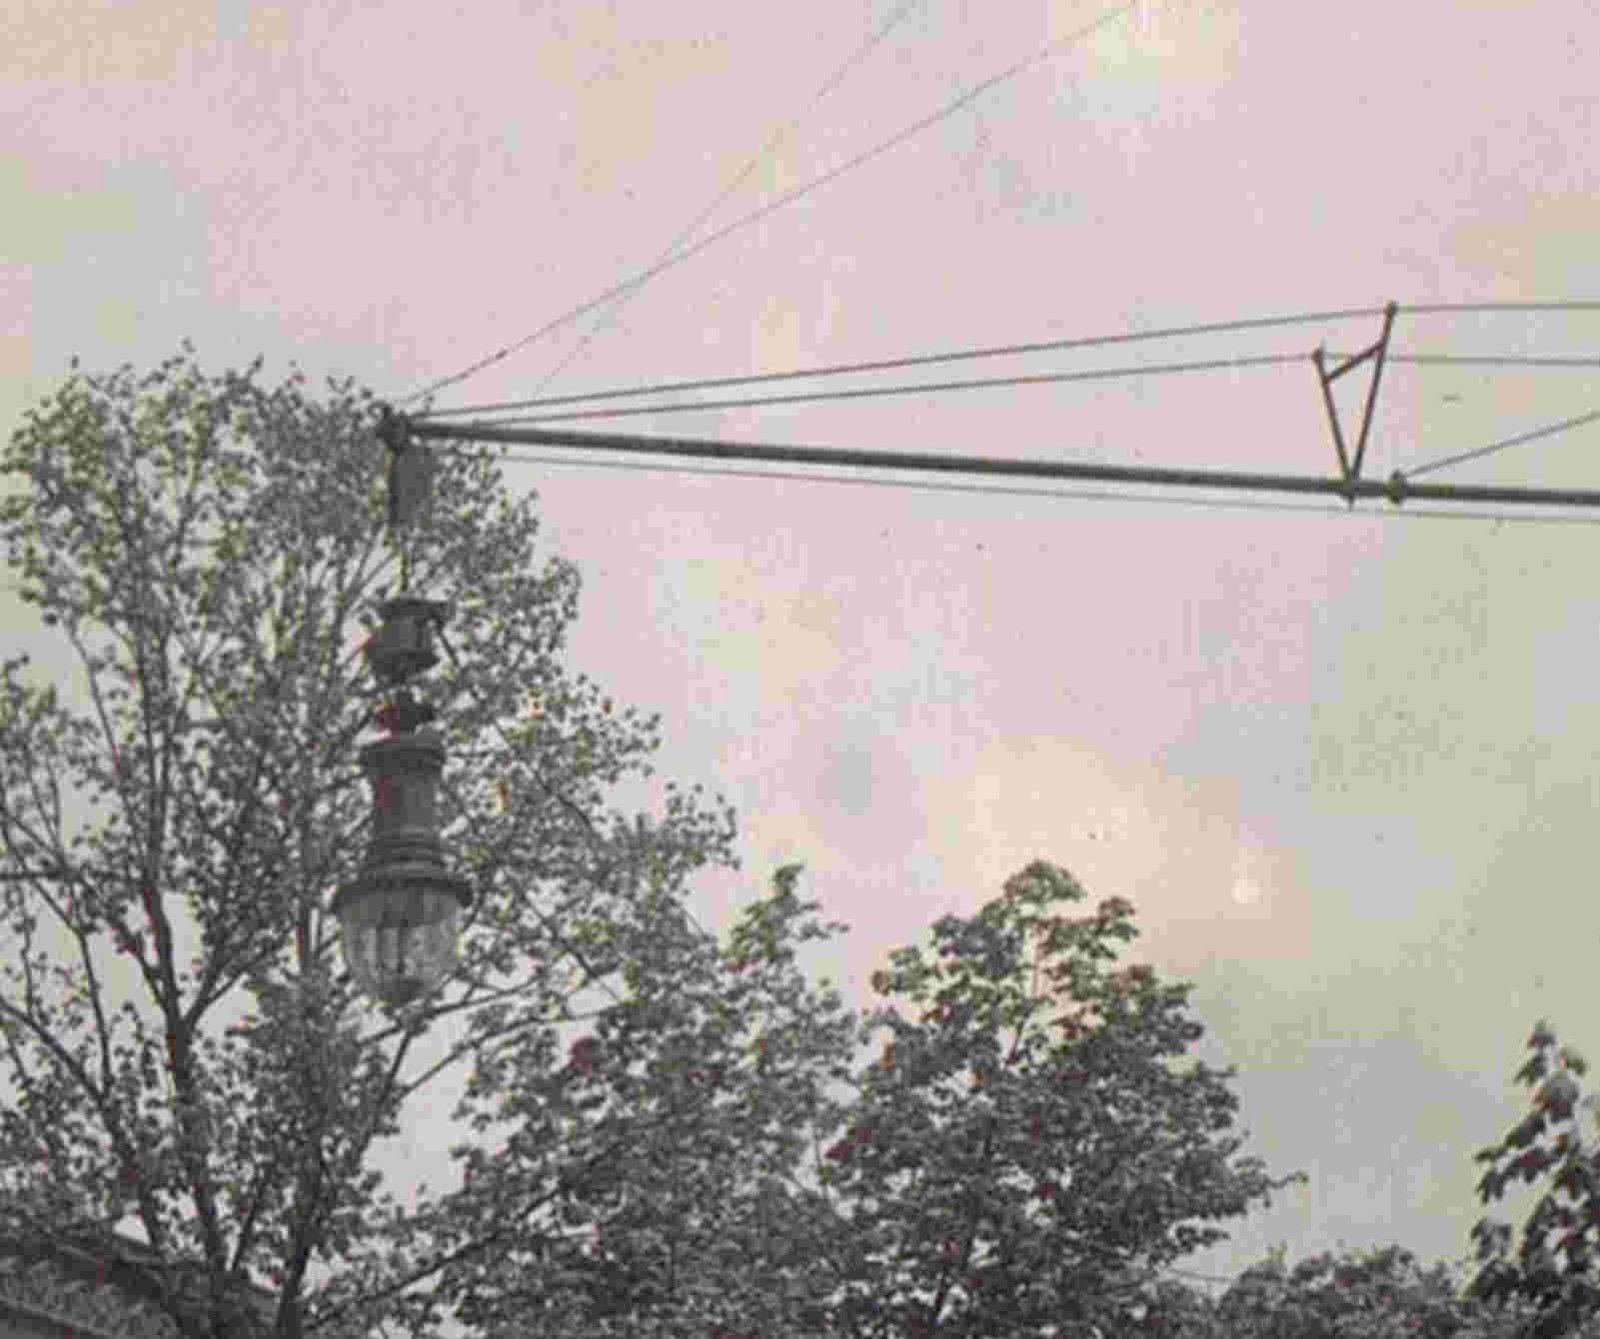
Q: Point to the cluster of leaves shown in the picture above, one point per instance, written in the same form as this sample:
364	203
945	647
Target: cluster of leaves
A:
1553	1266
1379	1294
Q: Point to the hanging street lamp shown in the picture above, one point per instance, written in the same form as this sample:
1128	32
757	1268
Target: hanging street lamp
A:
398	918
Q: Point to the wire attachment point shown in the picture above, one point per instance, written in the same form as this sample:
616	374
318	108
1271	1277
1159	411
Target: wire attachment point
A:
410	473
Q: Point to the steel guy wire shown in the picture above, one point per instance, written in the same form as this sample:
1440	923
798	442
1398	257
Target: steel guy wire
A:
1486	360
1533	435
832	82
926	388
1000	351
924	360
1465	308
788	197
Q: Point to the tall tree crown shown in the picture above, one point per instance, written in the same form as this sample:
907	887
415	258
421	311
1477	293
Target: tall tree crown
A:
179	1032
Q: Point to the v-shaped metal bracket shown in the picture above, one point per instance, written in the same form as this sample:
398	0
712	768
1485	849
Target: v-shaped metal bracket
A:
1350	466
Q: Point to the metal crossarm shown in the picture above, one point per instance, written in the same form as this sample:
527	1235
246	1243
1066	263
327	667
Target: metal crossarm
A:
1397	488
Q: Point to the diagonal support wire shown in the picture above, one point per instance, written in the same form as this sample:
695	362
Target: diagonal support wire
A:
1532	435
970	95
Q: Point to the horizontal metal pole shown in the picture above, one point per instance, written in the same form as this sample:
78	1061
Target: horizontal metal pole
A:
1396	489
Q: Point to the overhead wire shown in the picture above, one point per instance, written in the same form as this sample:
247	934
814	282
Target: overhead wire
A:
924	388
1010	350
788	197
1468	308
1485	360
739	178
925	360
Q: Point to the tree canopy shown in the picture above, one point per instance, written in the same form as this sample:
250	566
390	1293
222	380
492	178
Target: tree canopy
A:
1034	1141
1021	1154
662	1132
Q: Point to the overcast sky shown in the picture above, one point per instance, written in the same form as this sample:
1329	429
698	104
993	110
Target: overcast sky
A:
1342	763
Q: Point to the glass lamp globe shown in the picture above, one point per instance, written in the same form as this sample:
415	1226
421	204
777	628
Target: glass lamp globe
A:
399	936
398	918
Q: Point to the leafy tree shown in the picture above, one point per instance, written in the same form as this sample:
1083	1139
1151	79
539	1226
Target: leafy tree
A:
1552	1267
184	1047
1032	1144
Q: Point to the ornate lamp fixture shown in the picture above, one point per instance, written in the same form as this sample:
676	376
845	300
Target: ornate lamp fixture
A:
398	917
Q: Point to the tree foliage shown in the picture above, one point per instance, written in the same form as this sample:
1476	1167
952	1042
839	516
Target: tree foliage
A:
1021	1154
1375	1294
1033	1143
184	1047
651	1185
1551	1266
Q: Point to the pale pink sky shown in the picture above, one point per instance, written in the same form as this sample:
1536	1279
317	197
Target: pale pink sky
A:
1342	764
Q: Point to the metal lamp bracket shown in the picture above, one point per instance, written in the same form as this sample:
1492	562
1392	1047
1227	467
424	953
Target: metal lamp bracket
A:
402	647
410	475
1350	465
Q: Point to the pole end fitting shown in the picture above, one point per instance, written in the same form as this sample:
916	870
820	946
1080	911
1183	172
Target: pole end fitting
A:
393	429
